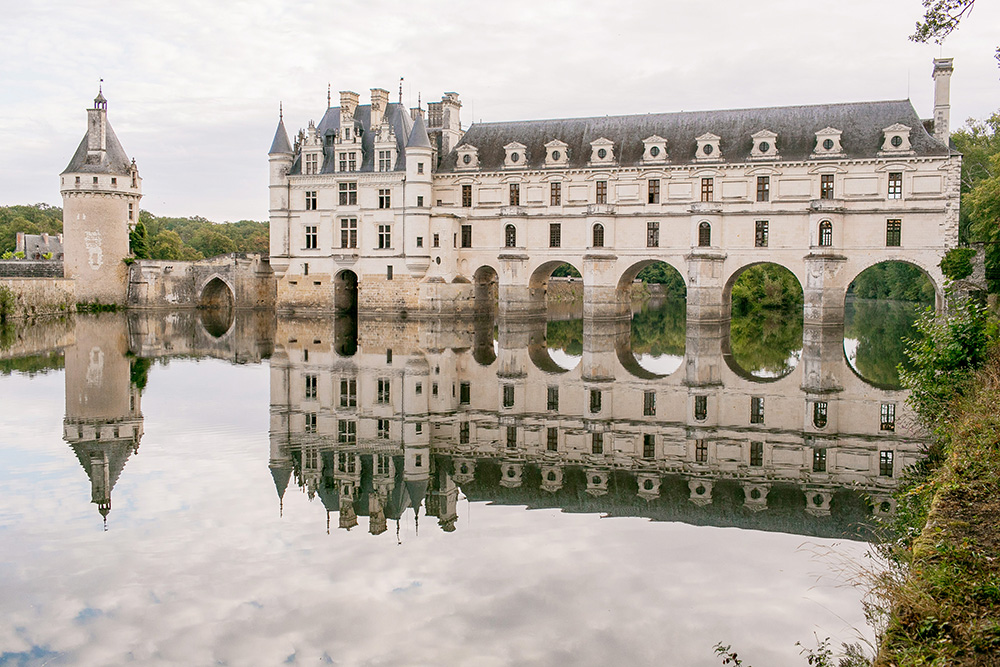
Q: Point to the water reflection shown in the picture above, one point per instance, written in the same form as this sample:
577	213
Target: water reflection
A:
874	337
657	335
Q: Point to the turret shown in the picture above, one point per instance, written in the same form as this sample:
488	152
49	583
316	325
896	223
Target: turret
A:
279	159
418	192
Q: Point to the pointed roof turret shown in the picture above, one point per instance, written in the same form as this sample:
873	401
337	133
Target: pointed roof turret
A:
418	136
280	145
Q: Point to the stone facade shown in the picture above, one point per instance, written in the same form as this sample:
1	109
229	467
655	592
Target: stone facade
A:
237	280
825	191
41	296
27	268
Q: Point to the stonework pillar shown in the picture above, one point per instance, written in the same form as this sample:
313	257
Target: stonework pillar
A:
703	352
601	339
518	298
705	286
824	290
602	300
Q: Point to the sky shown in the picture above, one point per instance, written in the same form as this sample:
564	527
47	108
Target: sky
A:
193	87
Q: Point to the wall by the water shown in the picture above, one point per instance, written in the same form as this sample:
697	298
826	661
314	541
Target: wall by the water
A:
41	296
30	268
182	284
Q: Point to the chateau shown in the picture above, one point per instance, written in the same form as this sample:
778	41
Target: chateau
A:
390	209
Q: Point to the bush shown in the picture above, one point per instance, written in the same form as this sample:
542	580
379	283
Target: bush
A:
957	263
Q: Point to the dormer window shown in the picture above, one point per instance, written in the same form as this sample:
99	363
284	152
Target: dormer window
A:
468	157
765	145
312	163
897	139
556	154
708	149
828	142
602	151
654	150
516	156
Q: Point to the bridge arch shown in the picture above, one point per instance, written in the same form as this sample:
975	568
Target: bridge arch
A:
216	292
487	281
345	291
928	272
632	272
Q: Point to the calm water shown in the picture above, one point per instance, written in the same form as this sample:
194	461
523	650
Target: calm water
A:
258	492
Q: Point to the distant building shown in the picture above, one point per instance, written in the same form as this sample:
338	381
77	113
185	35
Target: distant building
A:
40	246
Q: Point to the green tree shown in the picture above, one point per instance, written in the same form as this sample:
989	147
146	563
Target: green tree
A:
661	273
168	245
984	213
978	141
941	18
138	241
765	287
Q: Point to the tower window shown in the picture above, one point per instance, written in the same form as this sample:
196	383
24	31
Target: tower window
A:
653	191
420	167
515	194
763	188
826	186
707	189
555	194
466	196
510	236
704	235
598	235
602	192
826	233
312	163
895	185
760	234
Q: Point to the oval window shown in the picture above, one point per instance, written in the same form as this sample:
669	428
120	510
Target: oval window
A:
514	157
708	149
654	151
556	155
896	141
466	158
764	147
601	153
828	144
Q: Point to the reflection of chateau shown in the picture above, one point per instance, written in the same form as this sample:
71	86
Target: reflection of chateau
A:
410	411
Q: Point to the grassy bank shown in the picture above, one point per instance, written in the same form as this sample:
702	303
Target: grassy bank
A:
946	611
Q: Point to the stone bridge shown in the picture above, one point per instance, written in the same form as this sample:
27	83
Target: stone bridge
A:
226	282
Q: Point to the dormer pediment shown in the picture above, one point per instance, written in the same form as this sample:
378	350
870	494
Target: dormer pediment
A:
468	157
602	151
654	150
556	154
828	142
765	145
516	156
708	149
897	139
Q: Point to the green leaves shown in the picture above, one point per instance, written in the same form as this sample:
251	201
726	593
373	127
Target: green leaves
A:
941	17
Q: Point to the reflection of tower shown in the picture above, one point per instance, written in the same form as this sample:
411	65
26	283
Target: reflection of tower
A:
442	500
103	422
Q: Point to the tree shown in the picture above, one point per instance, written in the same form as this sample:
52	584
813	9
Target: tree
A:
984	213
978	142
941	18
138	241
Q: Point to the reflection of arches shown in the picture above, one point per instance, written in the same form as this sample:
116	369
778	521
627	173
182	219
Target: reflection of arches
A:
487	288
510	236
826	233
483	349
345	334
345	291
217	306
704	234
598	235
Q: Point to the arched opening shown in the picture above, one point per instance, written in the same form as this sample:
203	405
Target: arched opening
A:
704	234
881	307
217	306
765	329
487	289
598	235
345	291
560	285
563	348
657	297
825	233
485	344
345	334
510	236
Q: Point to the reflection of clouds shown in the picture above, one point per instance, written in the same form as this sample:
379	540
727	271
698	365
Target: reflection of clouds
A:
663	364
198	568
563	359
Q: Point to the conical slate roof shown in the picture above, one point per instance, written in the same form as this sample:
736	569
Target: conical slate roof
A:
280	143
418	136
113	161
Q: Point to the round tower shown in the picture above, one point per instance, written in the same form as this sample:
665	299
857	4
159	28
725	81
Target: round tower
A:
279	159
101	190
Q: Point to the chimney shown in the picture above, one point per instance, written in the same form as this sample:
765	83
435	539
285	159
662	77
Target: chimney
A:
97	129
19	243
348	104
380	100
942	98
451	123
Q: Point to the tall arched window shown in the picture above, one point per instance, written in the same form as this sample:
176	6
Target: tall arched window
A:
510	236
704	234
826	233
598	235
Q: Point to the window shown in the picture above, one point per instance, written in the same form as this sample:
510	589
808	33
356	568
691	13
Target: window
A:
895	185
555	194
653	191
757	454
388	355
757	410
348	194
348	393
463	433
310	200
384	236
893	233
508	395
888	421
511	437
763	188
760	234
383	429
598	235
305	272
826	186
466	196
310	422
826	233
555	234
418	460
464	393
819	414
352	161
602	192
597	443
510	236
418	428
595	400
384	199
700	408
348	232
819	460
649	403
648	446
700	451
388	272
347	432
704	234
418	388
420	241
652	235
420	167
420	201
131	211
434	388
385	160
95	180
78	181
312	163
343	161
382	396
466	236
885	463
707	189
515	194
311	383
311	237
437	240
552	439
114	182
552	398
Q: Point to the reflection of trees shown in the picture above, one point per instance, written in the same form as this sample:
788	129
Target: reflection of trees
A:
659	330
661	273
880	328
762	342
893	280
565	335
766	287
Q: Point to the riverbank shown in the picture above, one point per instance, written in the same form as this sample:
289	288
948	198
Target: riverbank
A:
947	610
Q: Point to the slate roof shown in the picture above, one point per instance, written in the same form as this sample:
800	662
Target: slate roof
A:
280	143
114	161
399	119
418	137
796	126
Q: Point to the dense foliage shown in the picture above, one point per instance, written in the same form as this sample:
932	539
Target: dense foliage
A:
765	287
34	219
766	343
957	263
660	330
979	143
566	271
565	335
881	329
893	280
661	273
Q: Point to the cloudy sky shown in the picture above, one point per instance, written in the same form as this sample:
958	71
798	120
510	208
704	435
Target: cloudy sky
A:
194	86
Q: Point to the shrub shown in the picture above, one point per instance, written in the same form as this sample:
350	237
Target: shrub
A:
957	263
